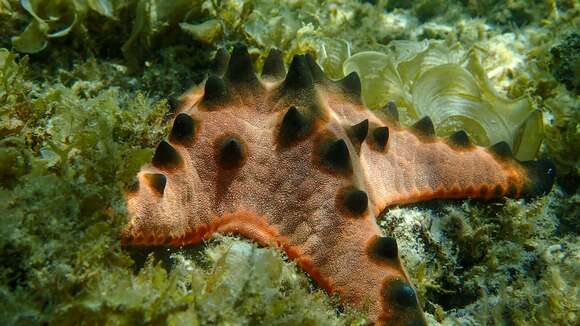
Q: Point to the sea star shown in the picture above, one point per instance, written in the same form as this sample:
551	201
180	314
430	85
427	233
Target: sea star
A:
295	160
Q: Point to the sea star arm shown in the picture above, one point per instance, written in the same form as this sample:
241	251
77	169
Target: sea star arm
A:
414	168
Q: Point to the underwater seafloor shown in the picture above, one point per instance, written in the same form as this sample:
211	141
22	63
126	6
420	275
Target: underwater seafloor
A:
87	89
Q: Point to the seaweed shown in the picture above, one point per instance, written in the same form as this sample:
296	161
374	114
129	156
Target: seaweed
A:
238	283
58	18
449	85
77	119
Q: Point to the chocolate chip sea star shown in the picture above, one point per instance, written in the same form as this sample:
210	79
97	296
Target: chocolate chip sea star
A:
295	160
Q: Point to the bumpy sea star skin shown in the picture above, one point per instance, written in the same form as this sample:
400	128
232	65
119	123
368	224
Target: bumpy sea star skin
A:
295	160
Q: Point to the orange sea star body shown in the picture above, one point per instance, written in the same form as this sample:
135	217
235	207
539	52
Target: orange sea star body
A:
295	160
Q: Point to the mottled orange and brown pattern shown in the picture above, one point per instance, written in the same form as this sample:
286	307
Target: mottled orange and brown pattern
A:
295	160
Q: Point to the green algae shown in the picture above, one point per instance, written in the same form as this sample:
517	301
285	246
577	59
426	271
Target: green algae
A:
73	133
450	86
56	19
238	283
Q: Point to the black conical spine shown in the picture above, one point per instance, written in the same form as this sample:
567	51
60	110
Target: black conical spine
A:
240	67
424	127
391	111
336	156
157	181
401	293
183	129
358	132
274	65
232	153
541	176
460	139
355	201
315	70
166	157
299	75
384	248
220	62
293	127
381	137
502	150
215	89
351	84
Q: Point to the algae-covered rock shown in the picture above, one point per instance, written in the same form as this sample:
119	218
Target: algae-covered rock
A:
566	62
480	264
564	136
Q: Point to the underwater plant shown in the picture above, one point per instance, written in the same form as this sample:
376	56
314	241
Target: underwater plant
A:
449	85
61	206
56	19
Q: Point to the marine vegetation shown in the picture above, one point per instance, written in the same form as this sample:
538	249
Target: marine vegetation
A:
450	86
566	62
88	88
